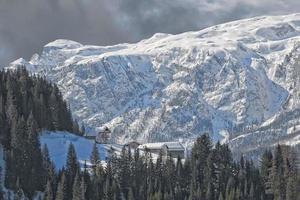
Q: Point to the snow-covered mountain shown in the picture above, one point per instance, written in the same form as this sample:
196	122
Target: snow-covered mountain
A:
239	81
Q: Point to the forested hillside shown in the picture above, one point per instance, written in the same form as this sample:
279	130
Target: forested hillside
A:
209	174
29	104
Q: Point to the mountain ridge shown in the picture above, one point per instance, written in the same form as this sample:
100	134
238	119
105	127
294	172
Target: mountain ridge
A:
229	80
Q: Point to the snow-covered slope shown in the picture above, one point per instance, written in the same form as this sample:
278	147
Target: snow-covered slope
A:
58	144
231	80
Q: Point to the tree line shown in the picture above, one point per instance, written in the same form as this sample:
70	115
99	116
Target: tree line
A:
209	173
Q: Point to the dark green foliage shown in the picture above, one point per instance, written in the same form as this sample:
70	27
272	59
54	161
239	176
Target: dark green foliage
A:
48	194
265	169
277	175
28	105
72	168
49	173
19	191
62	188
95	155
22	95
136	176
78	188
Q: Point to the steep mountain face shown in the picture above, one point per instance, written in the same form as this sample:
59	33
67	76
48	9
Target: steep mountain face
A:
232	80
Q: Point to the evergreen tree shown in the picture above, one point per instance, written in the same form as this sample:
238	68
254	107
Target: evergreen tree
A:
34	159
72	168
78	190
278	178
19	192
265	168
61	193
95	155
49	191
130	195
48	166
200	151
86	183
292	187
221	197
26	108
124	175
251	193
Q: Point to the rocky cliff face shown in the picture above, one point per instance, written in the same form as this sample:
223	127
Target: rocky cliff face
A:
232	80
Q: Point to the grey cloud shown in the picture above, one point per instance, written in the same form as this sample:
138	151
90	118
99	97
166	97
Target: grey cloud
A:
27	25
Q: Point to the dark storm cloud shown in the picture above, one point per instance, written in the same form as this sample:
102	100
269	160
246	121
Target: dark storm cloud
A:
27	25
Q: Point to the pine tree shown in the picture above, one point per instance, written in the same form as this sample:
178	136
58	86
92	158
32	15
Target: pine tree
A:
95	155
78	190
201	149
72	168
82	129
265	168
25	110
48	167
210	192
130	194
86	183
19	192
292	188
251	193
54	108
278	180
34	158
49	191
211	175
124	175
221	197
61	193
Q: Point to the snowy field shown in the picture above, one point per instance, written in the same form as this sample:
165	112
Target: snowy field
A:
58	144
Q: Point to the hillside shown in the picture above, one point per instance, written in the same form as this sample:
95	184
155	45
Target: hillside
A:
58	144
239	81
27	106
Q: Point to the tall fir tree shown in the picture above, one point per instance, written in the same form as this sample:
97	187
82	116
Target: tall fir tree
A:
61	193
48	193
78	190
95	154
265	168
72	168
278	179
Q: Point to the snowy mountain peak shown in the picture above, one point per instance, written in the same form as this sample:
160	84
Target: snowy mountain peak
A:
231	80
63	44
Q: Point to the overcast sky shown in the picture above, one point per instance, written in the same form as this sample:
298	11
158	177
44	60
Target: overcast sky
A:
27	25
